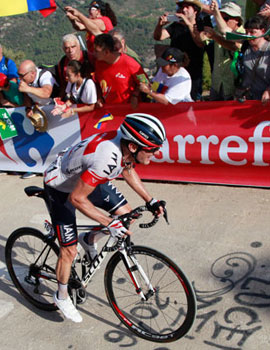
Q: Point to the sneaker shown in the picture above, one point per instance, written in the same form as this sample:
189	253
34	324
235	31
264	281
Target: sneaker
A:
89	248
28	175
67	308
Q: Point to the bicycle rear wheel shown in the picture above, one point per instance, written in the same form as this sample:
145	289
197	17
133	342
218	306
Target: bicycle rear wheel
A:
169	311
31	262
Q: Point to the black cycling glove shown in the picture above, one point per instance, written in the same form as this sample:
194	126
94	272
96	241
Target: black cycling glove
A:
153	205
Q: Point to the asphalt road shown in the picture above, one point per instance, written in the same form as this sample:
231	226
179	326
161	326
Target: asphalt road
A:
218	235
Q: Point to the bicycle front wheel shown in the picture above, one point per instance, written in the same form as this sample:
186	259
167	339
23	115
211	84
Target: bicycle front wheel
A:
31	263
169	310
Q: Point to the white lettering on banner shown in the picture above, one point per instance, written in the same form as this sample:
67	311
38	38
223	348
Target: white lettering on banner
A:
258	140
205	142
182	147
225	149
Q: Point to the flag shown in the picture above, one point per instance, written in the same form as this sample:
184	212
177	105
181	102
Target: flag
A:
17	7
241	36
103	120
7	127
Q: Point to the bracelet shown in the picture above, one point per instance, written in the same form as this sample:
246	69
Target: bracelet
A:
72	111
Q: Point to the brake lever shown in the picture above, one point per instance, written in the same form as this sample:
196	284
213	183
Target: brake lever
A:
165	215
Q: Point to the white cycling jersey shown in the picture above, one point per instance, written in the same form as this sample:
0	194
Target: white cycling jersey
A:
95	160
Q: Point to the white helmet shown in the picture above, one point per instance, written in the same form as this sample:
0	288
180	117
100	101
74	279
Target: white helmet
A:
144	130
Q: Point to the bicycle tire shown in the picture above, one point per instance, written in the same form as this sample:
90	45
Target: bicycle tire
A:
25	266
166	316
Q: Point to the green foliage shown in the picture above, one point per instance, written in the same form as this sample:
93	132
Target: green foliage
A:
17	56
206	73
30	36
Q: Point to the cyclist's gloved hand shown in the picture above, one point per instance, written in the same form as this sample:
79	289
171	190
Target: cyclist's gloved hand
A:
117	229
154	206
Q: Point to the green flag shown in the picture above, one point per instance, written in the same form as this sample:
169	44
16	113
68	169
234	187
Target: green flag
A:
7	127
239	36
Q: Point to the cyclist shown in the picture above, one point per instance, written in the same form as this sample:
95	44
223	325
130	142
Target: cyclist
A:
80	177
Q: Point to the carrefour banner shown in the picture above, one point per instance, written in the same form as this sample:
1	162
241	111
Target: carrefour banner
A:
207	142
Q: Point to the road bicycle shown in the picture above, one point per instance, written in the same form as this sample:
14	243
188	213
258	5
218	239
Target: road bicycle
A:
147	291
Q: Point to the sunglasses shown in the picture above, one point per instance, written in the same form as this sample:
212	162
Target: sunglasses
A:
151	150
22	75
226	18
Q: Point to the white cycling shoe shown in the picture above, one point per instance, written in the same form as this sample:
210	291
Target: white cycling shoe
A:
67	308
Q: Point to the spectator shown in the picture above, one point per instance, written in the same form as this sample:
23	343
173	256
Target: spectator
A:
37	86
118	74
8	67
185	36
265	11
10	96
101	20
72	49
228	19
256	62
172	83
80	90
118	34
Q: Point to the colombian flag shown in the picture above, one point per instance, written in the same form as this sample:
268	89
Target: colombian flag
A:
17	7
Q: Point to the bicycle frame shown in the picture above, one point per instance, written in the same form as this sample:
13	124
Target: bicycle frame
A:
111	245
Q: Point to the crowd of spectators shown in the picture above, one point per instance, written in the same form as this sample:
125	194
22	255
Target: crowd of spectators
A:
108	71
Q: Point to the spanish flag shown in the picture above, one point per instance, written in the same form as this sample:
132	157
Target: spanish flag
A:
17	7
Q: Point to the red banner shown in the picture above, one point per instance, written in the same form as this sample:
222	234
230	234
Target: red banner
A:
207	142
215	142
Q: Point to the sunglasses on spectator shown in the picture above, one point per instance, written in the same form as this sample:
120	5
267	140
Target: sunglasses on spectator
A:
226	18
23	75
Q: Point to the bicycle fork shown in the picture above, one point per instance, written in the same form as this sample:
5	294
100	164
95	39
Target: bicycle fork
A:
131	269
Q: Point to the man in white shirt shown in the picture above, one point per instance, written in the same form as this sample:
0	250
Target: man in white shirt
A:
37	85
172	83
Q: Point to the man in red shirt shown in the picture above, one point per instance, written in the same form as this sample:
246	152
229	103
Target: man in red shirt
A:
119	75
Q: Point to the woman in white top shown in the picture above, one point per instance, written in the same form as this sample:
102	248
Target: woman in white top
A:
81	94
172	83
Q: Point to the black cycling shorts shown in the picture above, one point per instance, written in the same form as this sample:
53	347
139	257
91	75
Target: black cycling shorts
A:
105	196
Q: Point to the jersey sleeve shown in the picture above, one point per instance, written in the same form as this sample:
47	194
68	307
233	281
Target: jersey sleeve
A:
92	179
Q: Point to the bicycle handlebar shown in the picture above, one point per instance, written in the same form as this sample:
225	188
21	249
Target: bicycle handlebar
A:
137	213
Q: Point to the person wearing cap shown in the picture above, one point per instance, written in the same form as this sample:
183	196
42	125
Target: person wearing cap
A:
172	83
256	61
228	19
101	20
10	96
8	67
185	37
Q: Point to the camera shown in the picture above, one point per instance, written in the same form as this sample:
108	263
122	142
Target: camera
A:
173	18
204	22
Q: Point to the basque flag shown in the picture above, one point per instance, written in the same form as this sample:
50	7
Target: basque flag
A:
17	7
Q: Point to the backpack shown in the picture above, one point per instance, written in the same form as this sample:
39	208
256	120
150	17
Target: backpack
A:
77	100
54	71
